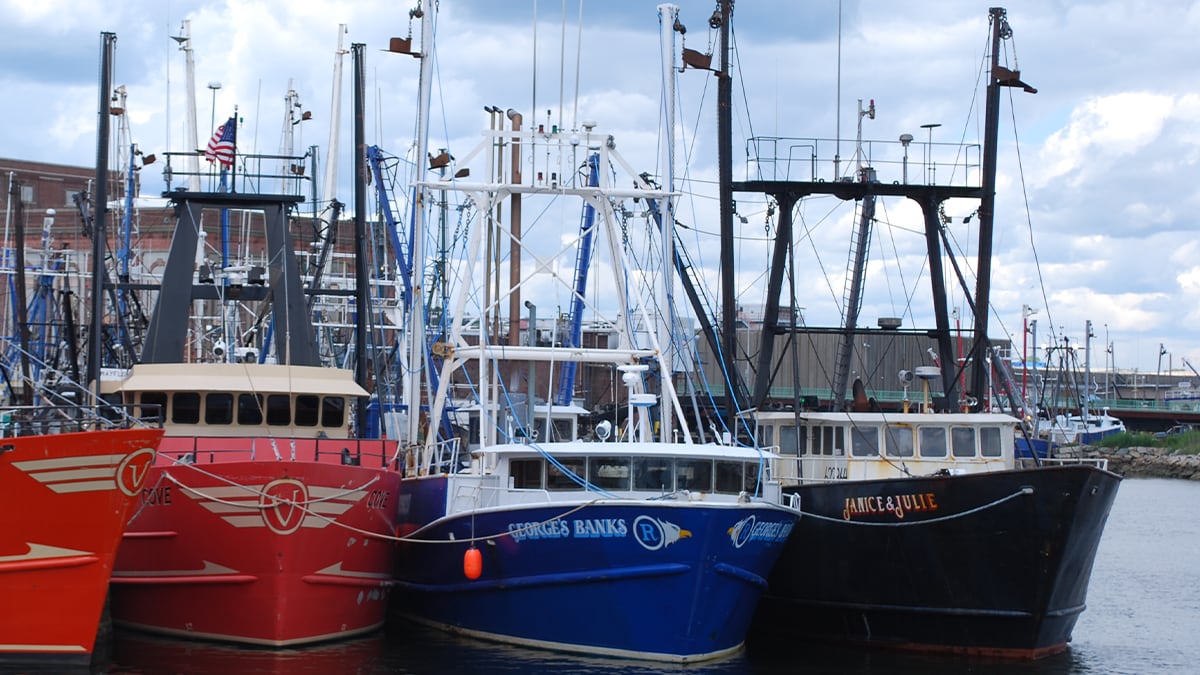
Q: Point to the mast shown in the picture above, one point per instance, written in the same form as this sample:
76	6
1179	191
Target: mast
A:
362	297
725	178
668	16
191	138
416	333
999	76
100	215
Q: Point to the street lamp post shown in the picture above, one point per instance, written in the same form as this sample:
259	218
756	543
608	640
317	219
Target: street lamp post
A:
214	86
1162	351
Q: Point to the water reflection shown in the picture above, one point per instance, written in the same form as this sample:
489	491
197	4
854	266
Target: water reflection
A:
135	653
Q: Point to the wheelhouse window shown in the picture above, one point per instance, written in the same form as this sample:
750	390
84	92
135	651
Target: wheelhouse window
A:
609	473
307	407
962	441
653	474
526	473
729	477
333	411
249	409
899	441
864	441
279	410
789	442
218	408
750	482
185	407
933	442
989	441
154	406
694	474
559	479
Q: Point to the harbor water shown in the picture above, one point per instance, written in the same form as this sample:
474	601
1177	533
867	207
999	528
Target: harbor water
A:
1143	616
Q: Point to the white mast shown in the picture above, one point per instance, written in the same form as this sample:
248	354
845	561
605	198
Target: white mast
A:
190	133
329	184
667	17
416	333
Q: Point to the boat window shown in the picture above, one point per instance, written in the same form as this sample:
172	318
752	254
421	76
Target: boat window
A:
839	441
962	441
989	441
802	440
610	473
653	474
768	435
154	406
306	410
218	408
563	430
933	441
558	479
899	441
694	474
279	410
185	407
729	477
250	409
526	473
827	441
788	442
333	411
750	484
864	441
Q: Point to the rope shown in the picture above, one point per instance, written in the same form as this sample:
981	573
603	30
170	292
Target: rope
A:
303	506
255	491
1023	491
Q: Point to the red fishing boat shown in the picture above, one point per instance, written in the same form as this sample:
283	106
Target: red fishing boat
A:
268	519
263	522
65	496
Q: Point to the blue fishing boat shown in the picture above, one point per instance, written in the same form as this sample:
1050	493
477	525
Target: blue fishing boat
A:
631	539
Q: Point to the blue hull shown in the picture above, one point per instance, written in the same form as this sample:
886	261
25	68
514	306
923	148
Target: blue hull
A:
611	578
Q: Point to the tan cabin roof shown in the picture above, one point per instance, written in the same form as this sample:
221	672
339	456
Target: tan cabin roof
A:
254	377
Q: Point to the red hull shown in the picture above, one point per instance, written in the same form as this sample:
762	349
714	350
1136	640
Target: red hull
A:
260	550
64	502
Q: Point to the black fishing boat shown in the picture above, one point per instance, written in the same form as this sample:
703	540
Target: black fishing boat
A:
929	532
940	542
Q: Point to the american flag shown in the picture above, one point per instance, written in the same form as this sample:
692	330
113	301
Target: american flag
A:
223	144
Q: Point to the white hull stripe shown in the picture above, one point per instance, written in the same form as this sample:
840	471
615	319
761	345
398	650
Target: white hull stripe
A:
43	552
91	473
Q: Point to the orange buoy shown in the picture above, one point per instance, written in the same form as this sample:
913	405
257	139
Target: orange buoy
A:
472	563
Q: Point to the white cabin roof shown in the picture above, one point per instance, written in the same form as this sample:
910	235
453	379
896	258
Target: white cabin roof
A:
591	449
913	418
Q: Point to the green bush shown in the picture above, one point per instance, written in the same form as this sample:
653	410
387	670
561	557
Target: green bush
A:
1127	439
1187	443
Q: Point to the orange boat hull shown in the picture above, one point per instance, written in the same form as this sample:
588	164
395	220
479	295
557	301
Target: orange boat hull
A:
64	502
259	551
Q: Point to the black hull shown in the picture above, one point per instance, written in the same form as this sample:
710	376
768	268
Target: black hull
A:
992	564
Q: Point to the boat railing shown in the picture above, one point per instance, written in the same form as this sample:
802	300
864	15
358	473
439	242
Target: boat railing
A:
910	162
439	457
371	452
34	420
1098	462
250	173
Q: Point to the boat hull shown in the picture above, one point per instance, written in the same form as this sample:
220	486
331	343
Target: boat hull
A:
992	564
261	552
64	501
670	581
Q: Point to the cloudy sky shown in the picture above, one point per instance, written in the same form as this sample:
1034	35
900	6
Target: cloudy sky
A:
1097	171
